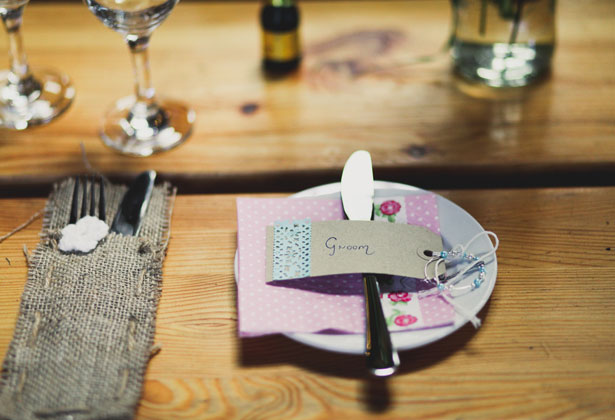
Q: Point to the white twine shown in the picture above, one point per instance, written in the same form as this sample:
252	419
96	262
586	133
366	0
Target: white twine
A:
446	292
463	249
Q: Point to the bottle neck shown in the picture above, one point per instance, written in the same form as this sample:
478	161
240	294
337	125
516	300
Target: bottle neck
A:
280	3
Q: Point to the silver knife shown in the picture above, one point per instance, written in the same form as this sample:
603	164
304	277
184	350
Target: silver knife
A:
358	202
134	205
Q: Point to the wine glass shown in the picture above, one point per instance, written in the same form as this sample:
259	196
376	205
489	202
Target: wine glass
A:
141	125
28	98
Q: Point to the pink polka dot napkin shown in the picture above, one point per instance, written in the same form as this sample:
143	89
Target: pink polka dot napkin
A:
332	303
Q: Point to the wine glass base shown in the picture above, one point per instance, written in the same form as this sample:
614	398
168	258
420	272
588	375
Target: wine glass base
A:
34	101
167	127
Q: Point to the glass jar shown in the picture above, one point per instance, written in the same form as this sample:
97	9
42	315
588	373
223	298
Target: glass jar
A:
503	43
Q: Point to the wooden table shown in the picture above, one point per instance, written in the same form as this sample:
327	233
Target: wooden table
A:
546	348
357	88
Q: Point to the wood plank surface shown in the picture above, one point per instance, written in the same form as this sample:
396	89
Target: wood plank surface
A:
357	88
546	348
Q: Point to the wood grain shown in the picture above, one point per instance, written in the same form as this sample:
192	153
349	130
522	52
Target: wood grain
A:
357	88
546	348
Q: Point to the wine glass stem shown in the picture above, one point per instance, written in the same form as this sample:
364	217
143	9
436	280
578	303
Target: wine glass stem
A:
18	60
145	91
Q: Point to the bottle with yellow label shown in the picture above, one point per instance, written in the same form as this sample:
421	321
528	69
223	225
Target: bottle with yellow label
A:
281	44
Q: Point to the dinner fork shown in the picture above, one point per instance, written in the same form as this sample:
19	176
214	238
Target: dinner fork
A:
80	209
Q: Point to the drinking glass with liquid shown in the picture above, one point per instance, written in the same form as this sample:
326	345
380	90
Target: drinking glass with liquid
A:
141	124
28	97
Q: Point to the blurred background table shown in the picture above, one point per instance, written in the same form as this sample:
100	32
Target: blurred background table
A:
546	348
357	88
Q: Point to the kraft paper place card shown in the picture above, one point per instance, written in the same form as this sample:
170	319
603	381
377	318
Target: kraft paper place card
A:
302	248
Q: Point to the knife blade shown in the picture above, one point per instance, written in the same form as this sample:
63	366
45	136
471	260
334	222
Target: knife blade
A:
134	205
357	191
358	186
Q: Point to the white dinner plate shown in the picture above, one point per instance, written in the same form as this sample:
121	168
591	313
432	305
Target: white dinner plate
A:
456	227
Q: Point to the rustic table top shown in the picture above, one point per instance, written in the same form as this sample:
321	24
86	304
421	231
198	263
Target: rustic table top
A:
358	88
546	348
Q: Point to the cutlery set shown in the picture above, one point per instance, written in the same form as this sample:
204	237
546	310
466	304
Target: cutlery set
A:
89	304
86	228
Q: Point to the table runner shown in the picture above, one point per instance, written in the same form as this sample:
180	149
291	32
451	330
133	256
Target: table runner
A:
86	322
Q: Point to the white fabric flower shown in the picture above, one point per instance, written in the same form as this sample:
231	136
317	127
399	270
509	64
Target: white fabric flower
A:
84	235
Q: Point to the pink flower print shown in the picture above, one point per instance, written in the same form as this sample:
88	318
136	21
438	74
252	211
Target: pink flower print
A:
400	297
405	320
390	207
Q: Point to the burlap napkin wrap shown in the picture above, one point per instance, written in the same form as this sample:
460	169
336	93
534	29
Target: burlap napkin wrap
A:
86	322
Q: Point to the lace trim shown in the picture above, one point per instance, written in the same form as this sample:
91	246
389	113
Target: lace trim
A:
292	253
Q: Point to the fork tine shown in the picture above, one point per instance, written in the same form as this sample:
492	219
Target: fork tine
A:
74	207
92	196
84	199
101	201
